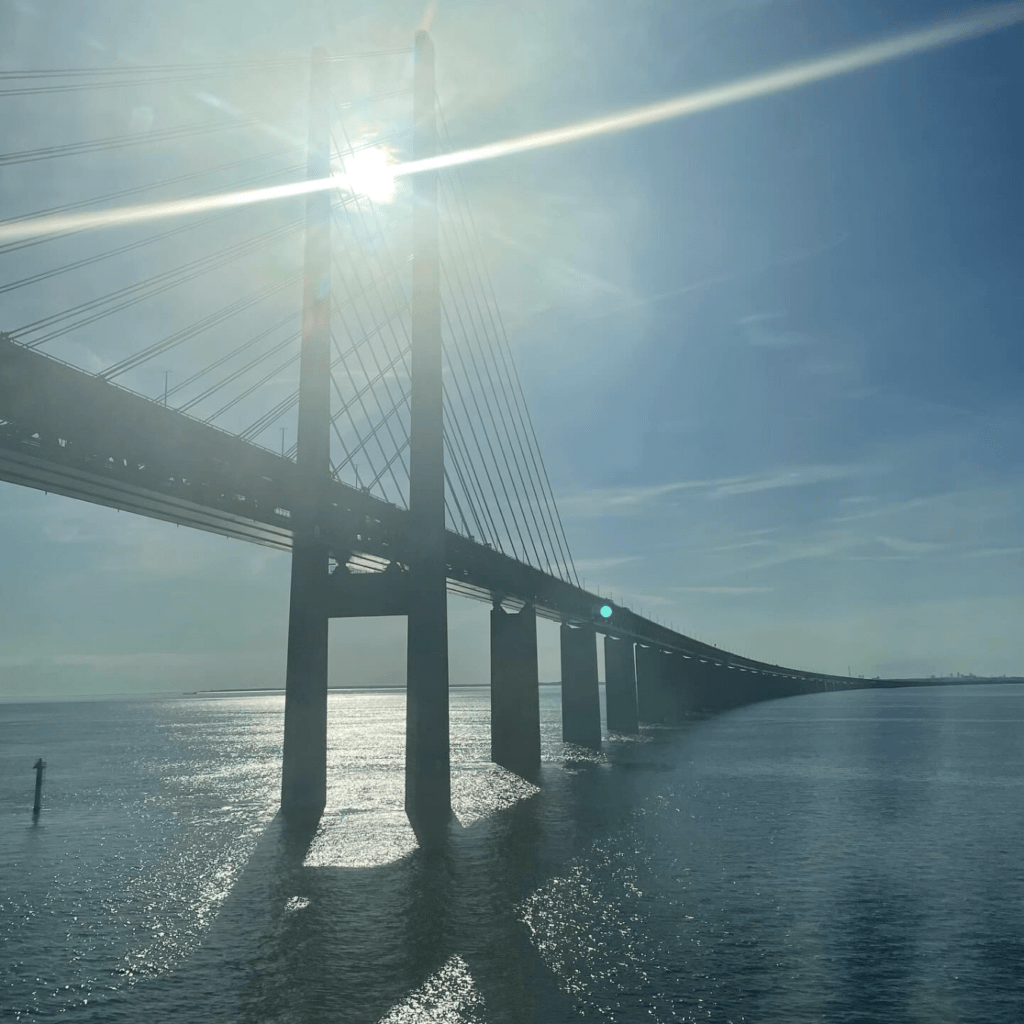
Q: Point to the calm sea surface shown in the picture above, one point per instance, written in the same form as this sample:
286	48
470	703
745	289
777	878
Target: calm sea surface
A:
834	857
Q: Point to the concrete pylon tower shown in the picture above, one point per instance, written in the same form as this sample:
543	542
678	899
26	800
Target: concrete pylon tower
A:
304	768
427	759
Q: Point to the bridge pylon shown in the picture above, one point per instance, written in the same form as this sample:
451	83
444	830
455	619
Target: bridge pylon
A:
304	767
427	754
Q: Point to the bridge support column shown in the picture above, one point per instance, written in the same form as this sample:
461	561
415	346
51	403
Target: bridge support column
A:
304	763
515	697
427	753
686	681
581	700
651	690
702	685
646	683
725	691
620	685
674	685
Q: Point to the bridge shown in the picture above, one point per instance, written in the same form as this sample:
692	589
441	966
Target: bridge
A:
414	471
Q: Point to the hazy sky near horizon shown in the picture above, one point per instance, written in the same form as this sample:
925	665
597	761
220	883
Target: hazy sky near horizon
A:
773	352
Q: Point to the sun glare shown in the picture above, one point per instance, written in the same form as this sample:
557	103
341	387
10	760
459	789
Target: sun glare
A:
368	173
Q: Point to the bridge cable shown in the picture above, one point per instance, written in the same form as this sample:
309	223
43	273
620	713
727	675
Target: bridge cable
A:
382	234
268	418
377	331
487	371
385	420
365	291
491	346
368	385
243	370
549	548
474	392
196	328
480	275
217	363
538	461
108	253
228	66
484	423
391	287
349	456
120	141
476	440
157	285
235	374
135	190
158	282
473	490
244	394
226	358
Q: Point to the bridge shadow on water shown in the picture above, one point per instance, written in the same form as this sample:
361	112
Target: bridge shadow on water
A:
435	933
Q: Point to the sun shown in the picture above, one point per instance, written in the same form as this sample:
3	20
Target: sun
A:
368	173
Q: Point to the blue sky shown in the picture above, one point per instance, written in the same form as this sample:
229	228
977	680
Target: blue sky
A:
773	352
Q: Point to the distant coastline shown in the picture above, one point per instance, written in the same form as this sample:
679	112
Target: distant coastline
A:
279	691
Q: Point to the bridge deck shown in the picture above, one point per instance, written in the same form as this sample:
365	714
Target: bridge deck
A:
70	432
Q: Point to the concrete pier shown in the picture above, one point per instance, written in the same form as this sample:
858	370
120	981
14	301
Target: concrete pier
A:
671	686
705	696
515	697
581	700
653	693
304	762
620	685
646	683
684	676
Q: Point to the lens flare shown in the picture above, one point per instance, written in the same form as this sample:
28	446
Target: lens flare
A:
369	173
374	177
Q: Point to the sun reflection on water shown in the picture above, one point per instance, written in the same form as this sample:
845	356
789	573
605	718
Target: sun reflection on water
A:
447	997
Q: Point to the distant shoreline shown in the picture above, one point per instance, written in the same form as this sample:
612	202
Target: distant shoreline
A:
339	689
279	691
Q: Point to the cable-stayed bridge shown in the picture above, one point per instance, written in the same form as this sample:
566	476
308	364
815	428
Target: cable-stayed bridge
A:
329	375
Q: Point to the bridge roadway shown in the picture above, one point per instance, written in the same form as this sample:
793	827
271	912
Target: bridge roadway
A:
73	433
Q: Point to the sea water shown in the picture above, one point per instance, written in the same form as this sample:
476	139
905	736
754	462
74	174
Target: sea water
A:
837	857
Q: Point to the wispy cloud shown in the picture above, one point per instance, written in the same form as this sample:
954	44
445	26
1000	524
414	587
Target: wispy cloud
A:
891	509
624	500
910	547
993	552
801	477
765	330
597	564
724	591
562	271
742	544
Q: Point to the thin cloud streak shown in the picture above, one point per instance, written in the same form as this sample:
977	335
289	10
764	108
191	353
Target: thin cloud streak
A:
628	499
755	87
724	591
